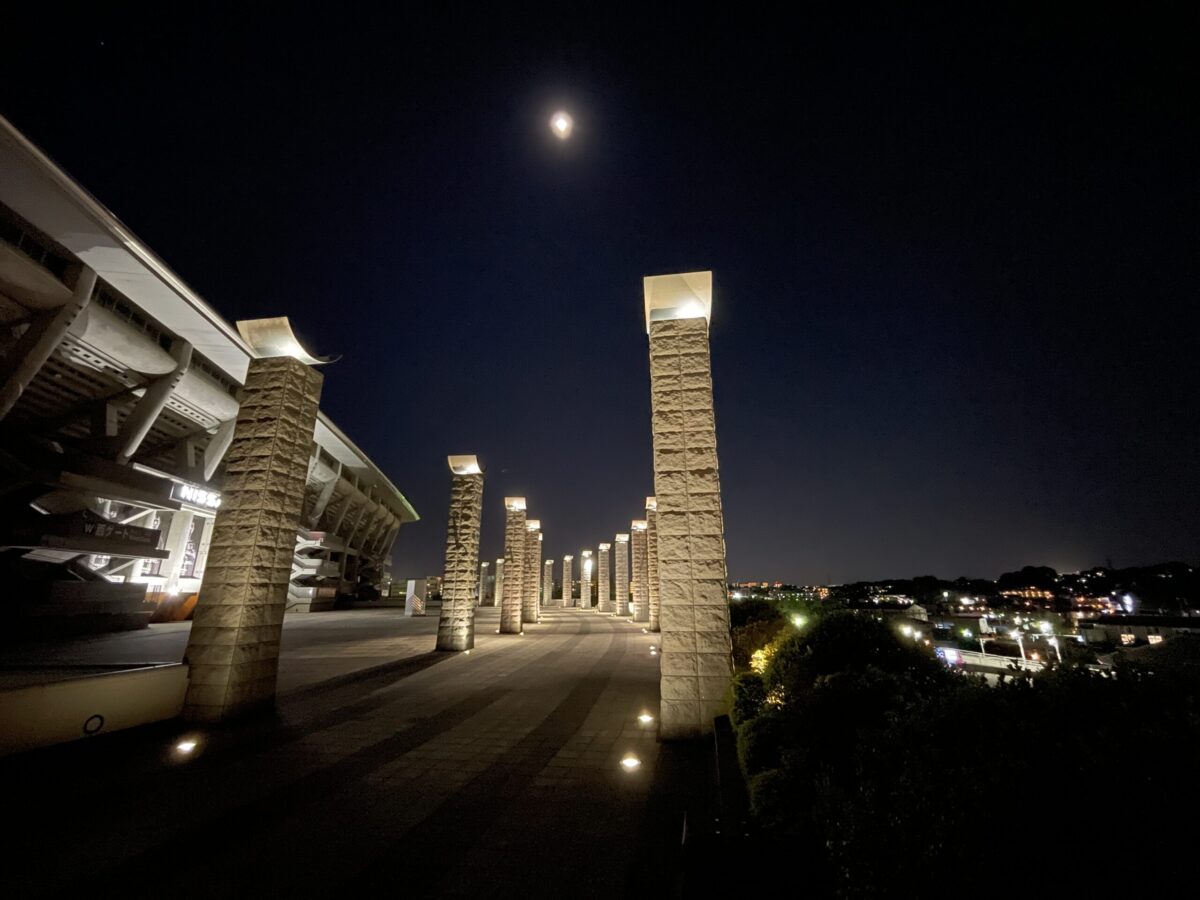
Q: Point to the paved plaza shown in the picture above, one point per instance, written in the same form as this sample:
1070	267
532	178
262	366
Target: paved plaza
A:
388	768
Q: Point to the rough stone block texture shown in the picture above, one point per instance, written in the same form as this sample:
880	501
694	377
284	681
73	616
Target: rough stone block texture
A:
456	626
641	576
498	587
514	571
585	585
604	601
547	582
690	533
530	609
621	576
652	576
244	592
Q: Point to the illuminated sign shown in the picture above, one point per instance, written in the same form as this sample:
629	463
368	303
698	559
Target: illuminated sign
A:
196	496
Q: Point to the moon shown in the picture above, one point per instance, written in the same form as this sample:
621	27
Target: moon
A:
561	124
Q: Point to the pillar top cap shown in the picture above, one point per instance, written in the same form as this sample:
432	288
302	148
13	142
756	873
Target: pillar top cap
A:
274	337
622	539
514	502
464	465
651	503
587	553
500	561
638	525
568	556
533	524
605	546
687	295
485	564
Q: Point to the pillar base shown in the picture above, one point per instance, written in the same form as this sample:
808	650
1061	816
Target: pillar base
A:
459	641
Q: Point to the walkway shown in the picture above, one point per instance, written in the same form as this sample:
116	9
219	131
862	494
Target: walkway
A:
490	774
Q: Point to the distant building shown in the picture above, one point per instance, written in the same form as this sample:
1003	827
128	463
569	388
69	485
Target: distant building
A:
119	392
1129	631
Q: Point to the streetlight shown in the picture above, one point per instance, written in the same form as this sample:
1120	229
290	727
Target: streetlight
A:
1016	634
1053	642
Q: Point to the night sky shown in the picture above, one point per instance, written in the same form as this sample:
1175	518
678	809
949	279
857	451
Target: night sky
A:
955	328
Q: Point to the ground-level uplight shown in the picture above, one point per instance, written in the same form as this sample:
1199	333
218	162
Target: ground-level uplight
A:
630	762
187	746
645	718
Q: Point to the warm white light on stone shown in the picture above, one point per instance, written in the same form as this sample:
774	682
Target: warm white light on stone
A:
561	124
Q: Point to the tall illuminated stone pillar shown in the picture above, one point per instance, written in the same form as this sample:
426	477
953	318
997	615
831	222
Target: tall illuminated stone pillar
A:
498	584
696	658
621	574
641	578
547	582
604	601
586	566
567	579
456	625
530	611
652	560
514	565
481	594
233	646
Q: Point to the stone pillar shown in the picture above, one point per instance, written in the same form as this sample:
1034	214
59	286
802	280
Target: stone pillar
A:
641	577
481	594
652	560
586	566
233	646
456	626
514	565
621	575
498	586
696	662
567	577
604	602
547	582
415	592
530	610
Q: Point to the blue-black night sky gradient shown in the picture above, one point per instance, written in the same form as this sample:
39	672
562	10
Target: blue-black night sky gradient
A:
955	327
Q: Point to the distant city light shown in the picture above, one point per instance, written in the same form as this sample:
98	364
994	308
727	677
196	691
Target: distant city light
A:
966	632
561	124
1044	627
906	630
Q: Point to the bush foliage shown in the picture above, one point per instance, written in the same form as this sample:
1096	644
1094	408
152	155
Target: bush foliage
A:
901	775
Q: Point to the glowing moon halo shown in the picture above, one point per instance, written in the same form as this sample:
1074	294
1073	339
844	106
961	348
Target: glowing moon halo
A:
561	124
